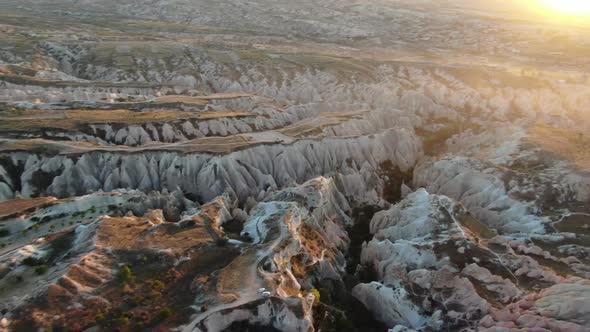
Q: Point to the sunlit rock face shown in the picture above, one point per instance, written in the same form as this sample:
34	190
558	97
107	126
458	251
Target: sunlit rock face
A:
298	238
292	166
282	315
243	173
295	238
437	266
410	254
483	188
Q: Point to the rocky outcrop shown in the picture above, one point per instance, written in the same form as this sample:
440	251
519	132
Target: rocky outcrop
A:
557	308
435	266
297	238
24	92
259	119
418	281
242	173
281	314
509	199
483	188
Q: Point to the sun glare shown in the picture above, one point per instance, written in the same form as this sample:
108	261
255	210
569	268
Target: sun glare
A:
566	7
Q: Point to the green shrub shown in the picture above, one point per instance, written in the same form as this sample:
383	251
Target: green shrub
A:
316	295
157	284
122	321
164	314
127	275
154	294
4	232
100	317
41	269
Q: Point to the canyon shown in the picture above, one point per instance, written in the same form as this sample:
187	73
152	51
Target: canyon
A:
329	165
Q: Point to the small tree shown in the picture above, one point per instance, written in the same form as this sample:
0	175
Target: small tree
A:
164	313
121	321
316	295
127	275
41	269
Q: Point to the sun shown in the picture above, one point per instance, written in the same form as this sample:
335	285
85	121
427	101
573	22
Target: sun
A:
566	7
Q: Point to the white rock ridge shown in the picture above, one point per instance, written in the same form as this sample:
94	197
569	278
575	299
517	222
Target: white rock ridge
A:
242	173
